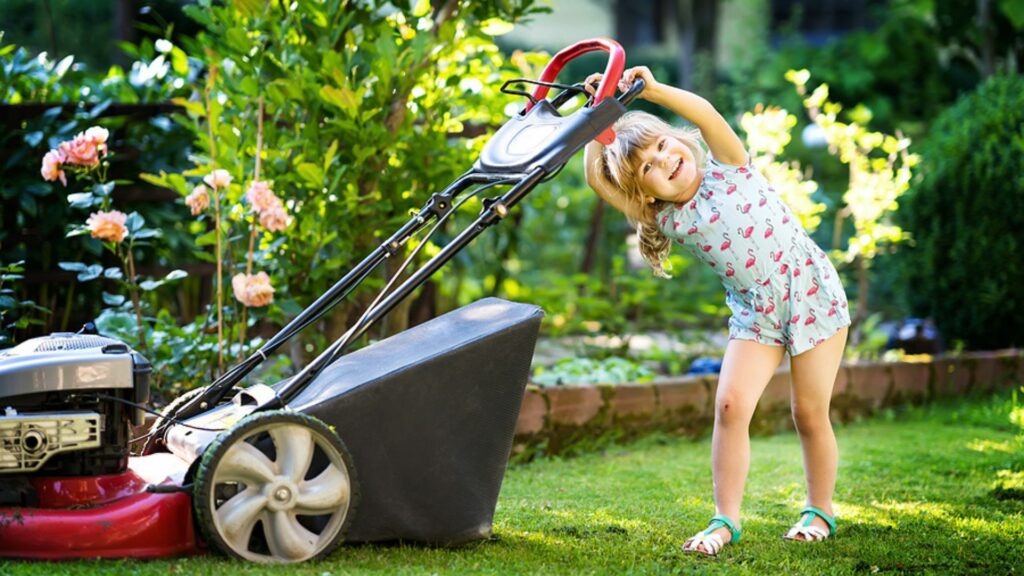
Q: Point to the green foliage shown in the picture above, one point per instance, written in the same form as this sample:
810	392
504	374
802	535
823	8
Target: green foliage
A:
160	71
611	370
15	314
37	214
361	99
967	213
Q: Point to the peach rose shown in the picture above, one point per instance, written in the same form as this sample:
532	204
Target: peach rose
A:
98	136
218	179
108	225
275	219
51	169
261	197
198	200
80	151
253	290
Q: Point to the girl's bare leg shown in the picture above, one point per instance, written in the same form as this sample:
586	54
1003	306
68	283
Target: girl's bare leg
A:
746	370
814	375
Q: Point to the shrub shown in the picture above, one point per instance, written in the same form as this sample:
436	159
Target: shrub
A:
967	214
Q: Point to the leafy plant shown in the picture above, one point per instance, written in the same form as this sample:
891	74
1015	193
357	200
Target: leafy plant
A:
611	370
87	158
967	212
15	314
362	101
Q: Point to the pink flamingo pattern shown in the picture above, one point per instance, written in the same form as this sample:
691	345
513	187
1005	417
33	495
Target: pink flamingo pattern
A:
781	287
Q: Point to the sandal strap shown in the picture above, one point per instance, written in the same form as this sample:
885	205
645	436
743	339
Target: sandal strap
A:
815	511
712	543
810	533
721	520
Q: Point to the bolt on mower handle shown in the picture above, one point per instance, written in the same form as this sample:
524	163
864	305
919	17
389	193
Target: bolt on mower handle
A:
612	73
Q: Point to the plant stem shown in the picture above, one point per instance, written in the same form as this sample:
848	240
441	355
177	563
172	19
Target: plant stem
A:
135	297
252	228
216	222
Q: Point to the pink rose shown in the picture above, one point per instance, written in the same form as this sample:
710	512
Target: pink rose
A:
261	197
98	136
108	225
80	151
218	179
253	290
198	200
51	169
275	219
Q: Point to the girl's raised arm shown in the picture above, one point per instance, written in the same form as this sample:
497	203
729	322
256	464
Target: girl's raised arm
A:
725	145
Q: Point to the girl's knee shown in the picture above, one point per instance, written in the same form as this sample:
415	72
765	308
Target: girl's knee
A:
811	419
733	409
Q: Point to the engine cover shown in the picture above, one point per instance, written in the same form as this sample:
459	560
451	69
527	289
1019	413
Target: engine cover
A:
65	362
65	405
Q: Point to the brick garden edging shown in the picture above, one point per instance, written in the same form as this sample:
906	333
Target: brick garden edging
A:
559	416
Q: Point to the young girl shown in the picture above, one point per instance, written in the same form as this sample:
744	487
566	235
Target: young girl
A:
784	294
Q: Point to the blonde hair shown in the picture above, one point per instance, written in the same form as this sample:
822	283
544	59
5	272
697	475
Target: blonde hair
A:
614	174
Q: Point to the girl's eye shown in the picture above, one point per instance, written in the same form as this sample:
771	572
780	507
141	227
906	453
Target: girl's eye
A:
661	145
647	168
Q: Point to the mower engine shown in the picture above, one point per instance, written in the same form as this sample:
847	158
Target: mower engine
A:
59	413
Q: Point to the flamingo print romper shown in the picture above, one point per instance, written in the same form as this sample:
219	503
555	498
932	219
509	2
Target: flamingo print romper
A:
781	287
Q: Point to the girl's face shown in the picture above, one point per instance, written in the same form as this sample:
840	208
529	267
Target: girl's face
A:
667	170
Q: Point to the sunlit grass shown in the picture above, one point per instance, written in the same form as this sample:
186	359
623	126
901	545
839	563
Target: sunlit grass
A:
936	489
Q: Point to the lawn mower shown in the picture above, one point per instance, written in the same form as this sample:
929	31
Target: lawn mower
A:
406	439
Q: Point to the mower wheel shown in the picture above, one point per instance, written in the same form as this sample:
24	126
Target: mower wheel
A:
278	487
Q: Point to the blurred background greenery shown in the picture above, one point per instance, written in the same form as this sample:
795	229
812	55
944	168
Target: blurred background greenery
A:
943	73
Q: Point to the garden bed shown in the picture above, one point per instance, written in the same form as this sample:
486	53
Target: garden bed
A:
559	418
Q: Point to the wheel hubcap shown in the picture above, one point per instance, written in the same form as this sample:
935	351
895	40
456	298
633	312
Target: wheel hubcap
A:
273	503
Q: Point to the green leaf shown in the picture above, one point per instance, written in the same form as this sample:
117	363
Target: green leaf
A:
155	180
100	108
34	138
343	98
311	173
62	67
1014	12
103	189
149	285
238	40
175	275
134	222
179	61
249	8
422	8
83	200
496	27
332	150
113	299
116	324
208	239
91	273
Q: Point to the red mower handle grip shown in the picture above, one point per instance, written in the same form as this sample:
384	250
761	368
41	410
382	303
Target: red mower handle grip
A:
610	80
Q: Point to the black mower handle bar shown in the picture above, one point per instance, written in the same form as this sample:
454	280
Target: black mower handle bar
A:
523	172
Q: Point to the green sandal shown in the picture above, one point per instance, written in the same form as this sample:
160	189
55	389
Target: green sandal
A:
713	542
807	532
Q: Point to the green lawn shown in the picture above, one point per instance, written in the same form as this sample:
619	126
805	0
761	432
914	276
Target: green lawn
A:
916	493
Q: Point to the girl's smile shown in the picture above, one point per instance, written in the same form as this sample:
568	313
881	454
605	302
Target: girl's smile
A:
667	170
